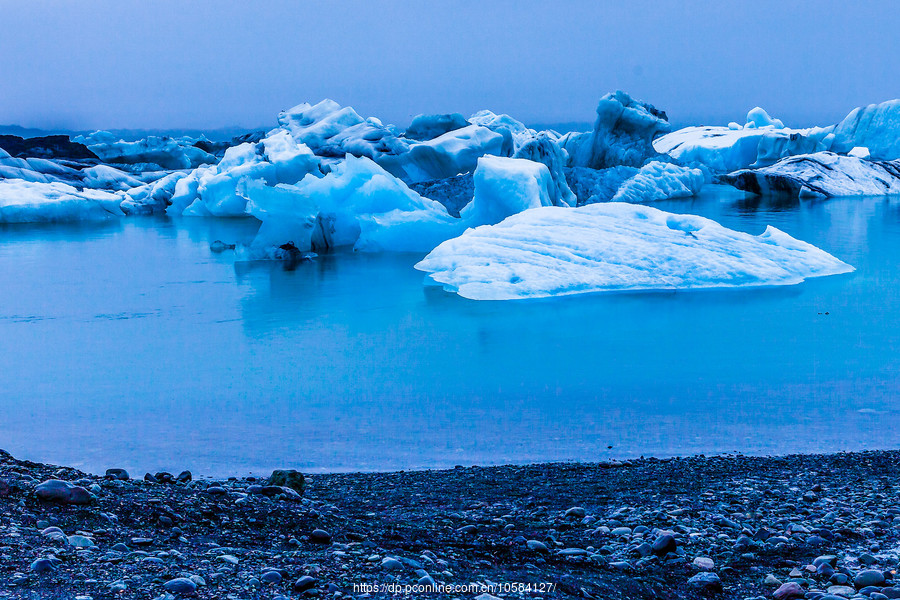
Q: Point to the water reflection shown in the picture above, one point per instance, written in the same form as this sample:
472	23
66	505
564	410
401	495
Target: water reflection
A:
144	349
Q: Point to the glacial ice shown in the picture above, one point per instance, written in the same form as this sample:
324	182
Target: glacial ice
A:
876	126
543	149
447	155
652	182
515	133
554	251
428	127
34	202
332	130
217	190
623	134
823	174
506	186
165	152
358	204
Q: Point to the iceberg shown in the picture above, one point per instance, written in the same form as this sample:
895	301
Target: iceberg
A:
145	154
506	186
555	251
515	133
35	202
428	127
820	175
154	197
876	127
761	142
653	182
358	204
543	149
623	134
331	130
218	190
447	155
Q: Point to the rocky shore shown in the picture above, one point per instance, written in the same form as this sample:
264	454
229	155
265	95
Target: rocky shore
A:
812	526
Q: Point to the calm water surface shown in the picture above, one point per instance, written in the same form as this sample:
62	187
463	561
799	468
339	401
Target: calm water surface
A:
129	344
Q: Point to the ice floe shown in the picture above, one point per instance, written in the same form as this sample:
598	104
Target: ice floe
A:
30	202
876	127
614	246
823	174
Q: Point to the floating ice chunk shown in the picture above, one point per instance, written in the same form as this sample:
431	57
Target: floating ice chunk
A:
447	155
428	127
357	204
822	174
723	149
543	149
152	197
660	181
623	134
29	202
329	129
515	133
167	152
506	186
758	117
104	177
652	182
219	190
876	126
615	246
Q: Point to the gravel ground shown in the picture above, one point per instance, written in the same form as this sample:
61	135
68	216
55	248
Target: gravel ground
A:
807	526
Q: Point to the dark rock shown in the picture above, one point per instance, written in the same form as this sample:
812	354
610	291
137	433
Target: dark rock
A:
180	585
664	544
184	477
867	578
42	566
48	146
56	490
150	478
706	581
320	536
304	583
788	590
288	478
120	474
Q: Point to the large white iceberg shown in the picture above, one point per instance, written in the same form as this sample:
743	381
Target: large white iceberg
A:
358	204
506	186
35	202
332	130
616	246
218	190
876	127
761	142
821	175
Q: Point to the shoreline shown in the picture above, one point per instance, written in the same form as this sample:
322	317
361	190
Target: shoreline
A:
725	526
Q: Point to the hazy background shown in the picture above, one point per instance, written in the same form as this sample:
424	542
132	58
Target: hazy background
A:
198	64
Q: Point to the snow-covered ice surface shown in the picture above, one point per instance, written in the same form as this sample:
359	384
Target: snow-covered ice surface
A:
615	247
725	149
822	175
33	202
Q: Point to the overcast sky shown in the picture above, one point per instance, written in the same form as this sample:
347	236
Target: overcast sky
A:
99	64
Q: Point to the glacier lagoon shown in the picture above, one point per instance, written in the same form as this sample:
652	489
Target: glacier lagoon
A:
128	343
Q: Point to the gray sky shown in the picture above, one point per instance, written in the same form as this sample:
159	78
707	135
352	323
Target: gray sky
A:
95	64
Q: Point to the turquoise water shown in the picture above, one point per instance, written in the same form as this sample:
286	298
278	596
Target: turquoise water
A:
130	344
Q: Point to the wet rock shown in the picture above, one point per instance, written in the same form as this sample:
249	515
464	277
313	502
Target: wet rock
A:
63	492
180	585
120	474
42	566
870	577
706	582
288	478
576	512
664	544
304	583
788	590
184	477
320	536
